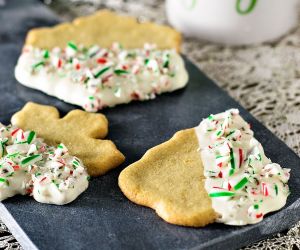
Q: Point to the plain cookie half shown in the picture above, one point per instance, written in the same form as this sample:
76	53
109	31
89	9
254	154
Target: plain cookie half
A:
169	179
104	28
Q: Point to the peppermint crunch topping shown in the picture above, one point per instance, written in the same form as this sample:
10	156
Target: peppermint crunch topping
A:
114	68
243	183
25	156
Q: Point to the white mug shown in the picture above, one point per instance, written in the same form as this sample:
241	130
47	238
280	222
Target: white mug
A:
233	22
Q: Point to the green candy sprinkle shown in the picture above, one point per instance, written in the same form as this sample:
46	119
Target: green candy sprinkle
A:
120	72
12	155
37	174
221	194
166	62
241	183
231	132
34	66
86	80
259	157
76	163
29	159
22	142
72	46
46	54
231	172
276	189
54	182
256	206
232	161
131	54
30	137
4	181
100	72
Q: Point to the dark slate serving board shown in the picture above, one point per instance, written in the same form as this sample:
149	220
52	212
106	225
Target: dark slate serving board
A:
102	218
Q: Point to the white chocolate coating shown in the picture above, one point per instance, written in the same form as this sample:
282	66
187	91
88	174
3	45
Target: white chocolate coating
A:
29	166
242	182
95	77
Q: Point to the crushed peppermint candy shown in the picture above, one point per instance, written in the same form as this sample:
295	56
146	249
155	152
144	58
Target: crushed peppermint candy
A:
29	166
243	183
109	76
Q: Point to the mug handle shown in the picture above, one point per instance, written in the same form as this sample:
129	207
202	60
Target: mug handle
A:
247	10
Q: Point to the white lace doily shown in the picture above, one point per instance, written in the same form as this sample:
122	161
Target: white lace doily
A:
265	79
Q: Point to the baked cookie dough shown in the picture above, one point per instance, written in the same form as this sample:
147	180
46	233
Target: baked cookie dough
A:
81	132
97	66
104	28
216	172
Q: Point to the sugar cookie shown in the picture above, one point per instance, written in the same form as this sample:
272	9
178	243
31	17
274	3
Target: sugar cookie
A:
81	132
215	172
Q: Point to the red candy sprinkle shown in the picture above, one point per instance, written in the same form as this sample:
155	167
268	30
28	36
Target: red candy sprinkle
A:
14	132
16	167
43	179
101	60
59	63
265	189
259	215
241	156
135	96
